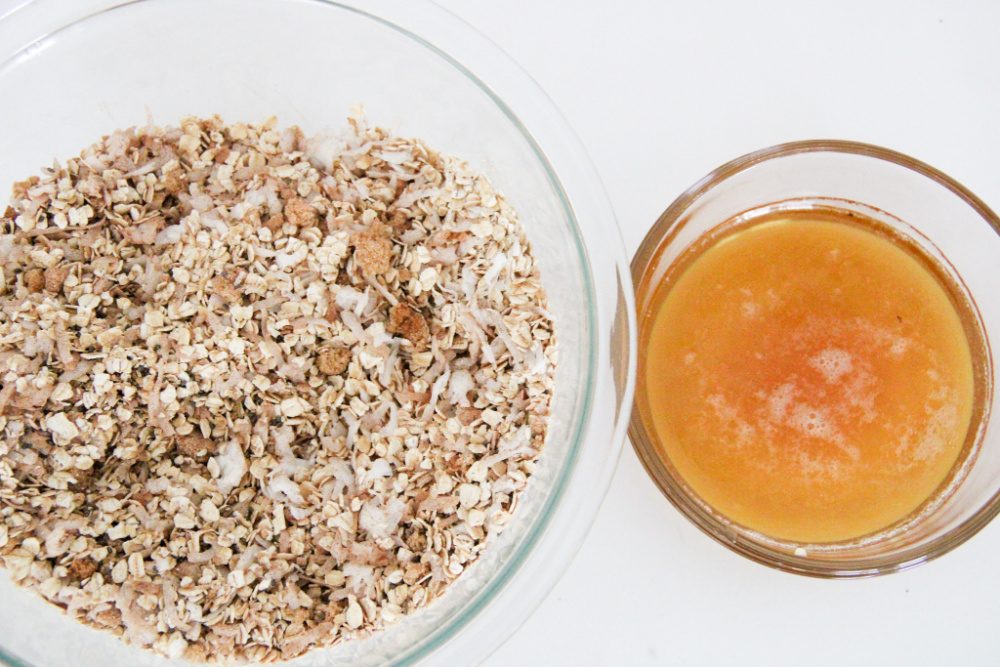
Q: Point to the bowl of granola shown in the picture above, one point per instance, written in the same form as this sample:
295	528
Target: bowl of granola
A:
316	335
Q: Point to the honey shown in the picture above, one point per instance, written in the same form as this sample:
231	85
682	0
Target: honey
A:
808	374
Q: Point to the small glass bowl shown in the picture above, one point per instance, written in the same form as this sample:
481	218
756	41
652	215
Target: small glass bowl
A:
923	205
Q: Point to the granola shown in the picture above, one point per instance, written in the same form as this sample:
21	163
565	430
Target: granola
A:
262	393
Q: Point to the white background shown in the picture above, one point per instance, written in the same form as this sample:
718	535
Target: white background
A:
661	93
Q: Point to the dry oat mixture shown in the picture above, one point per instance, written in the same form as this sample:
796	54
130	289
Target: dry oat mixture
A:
261	393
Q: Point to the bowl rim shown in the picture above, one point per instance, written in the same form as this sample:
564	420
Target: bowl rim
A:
666	227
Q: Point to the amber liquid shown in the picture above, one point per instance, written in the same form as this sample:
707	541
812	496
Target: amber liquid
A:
809	375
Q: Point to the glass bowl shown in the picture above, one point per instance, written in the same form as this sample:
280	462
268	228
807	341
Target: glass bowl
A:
72	72
915	203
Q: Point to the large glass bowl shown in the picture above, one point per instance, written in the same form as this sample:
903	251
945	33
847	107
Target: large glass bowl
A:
73	71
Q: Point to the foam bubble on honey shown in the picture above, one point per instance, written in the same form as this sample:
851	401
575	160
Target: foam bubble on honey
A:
897	344
741	432
832	363
721	406
861	396
935	435
779	400
750	310
818	468
898	347
818	423
783	407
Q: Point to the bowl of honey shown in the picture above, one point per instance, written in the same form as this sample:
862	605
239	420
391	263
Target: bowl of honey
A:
815	382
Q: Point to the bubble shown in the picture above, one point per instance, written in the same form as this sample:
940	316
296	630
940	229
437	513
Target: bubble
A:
812	421
779	400
750	310
817	468
832	363
818	423
899	346
934	437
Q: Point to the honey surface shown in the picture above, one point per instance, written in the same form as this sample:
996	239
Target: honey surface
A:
809	378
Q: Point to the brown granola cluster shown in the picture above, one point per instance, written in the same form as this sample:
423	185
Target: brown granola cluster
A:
261	393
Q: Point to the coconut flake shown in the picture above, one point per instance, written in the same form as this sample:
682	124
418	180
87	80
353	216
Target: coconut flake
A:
489	279
378	521
232	467
392	423
138	629
380	468
283	490
469	282
358	576
351	299
459	386
354	324
324	148
394	157
198	557
436	389
490	317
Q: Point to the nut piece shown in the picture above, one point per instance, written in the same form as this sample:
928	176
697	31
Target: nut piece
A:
34	280
82	568
196	446
300	213
373	249
333	361
108	618
224	287
467	415
275	222
409	323
398	219
54	278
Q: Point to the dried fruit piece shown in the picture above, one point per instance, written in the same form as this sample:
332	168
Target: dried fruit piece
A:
224	287
54	278
196	446
373	249
82	568
34	280
409	323
333	361
300	213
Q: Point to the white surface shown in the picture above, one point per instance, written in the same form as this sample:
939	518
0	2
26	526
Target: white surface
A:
661	93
